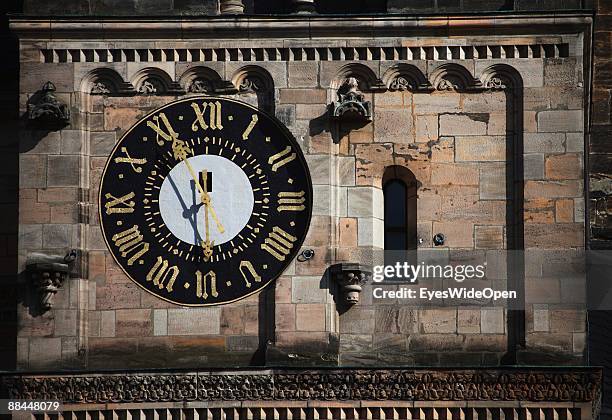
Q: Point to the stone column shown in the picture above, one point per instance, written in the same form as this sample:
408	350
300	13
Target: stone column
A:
231	7
303	6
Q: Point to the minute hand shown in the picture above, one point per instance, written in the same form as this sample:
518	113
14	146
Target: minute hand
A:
204	197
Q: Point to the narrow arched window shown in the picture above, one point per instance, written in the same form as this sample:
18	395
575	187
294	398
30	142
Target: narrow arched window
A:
400	195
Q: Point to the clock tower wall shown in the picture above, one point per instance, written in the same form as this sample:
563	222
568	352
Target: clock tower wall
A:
454	121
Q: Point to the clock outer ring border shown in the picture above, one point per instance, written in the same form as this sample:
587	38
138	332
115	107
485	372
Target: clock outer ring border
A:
288	135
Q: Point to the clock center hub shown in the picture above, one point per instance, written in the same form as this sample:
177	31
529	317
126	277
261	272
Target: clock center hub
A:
230	193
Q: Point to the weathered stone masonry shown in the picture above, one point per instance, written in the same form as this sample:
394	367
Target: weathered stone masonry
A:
465	114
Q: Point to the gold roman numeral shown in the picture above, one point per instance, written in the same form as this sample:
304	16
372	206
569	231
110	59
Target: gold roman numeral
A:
130	242
281	158
291	201
250	127
246	268
278	243
214	116
201	284
132	161
168	134
162	275
119	204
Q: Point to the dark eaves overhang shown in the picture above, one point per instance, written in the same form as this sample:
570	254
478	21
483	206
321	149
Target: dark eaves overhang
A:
297	26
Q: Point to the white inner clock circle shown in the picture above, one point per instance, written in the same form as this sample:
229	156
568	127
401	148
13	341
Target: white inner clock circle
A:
231	198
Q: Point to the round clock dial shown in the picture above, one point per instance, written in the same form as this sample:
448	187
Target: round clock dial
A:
205	201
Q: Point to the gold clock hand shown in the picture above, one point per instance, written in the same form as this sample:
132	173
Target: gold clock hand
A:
207	244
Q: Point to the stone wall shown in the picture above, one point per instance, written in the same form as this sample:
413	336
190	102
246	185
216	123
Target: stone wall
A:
455	114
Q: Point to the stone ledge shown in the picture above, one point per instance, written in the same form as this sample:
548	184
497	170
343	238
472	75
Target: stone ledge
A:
310	26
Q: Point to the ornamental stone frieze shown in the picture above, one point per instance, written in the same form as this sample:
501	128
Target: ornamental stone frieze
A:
578	385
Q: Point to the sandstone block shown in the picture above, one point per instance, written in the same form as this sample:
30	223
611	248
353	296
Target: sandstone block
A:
30	236
544	142
458	174
497	123
310	317
319	166
438	321
365	202
484	102
45	352
488	343
463	124
309	289
282	290
133	322
346	171
370	232
107	323
539	210
32	171
310	111
560	71
393	126
58	195
567	166
57	236
65	322
443	150
63	171
437	103
347	232
457	235
565	235
232	319
389	99
194	321
371	161
119	295
31	211
429	206
303	96
285	316
468	321
540	318
360	321
470	208
160	322
560	121
65	213
303	74
426	128
72	142
564	211
533	166
574	142
489	237
102	142
480	148
567	320
492	321
435	342
553	189
493	182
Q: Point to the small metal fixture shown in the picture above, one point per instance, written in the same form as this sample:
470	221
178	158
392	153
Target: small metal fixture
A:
306	255
438	239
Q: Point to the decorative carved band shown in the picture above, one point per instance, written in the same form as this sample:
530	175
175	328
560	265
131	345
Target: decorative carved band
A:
322	53
558	385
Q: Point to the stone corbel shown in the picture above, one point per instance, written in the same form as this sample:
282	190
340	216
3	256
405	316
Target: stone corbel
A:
46	110
350	278
48	273
351	106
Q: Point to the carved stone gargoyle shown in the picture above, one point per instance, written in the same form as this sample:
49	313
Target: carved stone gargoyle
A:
350	278
46	110
48	273
352	104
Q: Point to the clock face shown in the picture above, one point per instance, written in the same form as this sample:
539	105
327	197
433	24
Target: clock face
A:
205	201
